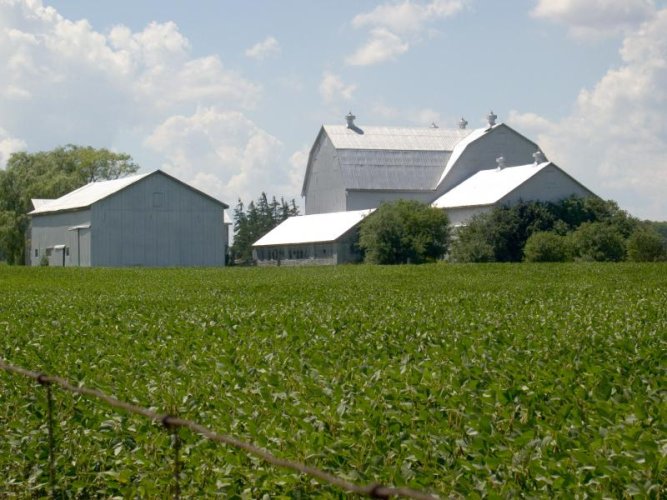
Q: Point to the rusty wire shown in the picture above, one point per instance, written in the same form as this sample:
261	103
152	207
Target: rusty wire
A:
171	422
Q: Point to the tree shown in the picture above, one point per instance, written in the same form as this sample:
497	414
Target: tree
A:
645	244
253	222
404	231
48	174
546	246
599	241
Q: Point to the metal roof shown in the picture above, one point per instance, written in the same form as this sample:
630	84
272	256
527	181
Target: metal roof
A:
85	195
316	228
390	169
487	187
395	138
93	192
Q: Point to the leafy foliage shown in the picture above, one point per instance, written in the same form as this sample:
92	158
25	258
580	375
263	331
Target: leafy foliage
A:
645	244
545	246
48	174
254	222
404	231
506	230
502	381
598	241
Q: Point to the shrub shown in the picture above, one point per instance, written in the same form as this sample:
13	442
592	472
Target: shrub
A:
646	245
547	247
598	241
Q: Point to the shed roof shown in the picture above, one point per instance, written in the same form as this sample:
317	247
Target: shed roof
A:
93	192
316	228
487	187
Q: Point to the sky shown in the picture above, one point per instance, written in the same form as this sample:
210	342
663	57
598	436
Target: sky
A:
229	95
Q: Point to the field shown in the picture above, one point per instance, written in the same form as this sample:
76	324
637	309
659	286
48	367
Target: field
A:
470	380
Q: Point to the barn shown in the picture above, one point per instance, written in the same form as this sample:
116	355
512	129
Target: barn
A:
463	171
150	219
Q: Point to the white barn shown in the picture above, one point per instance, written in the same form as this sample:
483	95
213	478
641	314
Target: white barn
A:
463	171
149	219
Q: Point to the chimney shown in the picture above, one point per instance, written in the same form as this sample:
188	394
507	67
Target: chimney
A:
501	162
491	118
463	123
539	157
350	120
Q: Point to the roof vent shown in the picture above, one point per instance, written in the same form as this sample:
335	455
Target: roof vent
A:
501	162
539	157
463	123
434	125
491	118
350	120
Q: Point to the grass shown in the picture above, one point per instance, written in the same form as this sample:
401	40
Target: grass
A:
471	380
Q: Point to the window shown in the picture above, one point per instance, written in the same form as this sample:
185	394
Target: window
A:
49	251
36	252
158	200
67	251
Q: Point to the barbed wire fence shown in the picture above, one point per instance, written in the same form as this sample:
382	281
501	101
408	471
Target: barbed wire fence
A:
172	424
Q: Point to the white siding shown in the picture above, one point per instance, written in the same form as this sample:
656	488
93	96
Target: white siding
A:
158	222
324	190
361	200
482	153
51	230
550	184
462	215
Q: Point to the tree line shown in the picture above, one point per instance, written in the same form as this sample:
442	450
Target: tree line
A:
253	221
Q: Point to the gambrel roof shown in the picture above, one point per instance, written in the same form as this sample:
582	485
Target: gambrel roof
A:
93	192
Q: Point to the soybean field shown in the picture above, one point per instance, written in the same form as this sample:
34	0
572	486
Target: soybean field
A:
492	380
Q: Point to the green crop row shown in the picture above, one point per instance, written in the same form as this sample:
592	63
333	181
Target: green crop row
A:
471	380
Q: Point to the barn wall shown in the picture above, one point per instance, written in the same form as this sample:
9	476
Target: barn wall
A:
362	200
324	191
158	222
462	215
482	153
550	184
50	230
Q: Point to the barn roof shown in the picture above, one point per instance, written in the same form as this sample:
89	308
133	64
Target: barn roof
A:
487	187
316	228
390	158
93	192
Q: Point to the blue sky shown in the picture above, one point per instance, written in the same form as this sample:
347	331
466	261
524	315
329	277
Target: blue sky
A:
230	95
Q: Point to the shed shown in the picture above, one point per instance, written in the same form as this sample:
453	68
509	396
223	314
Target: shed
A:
312	239
150	219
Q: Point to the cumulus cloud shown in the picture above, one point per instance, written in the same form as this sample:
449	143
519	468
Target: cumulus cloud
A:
9	145
595	18
332	88
268	47
223	153
64	82
394	26
615	140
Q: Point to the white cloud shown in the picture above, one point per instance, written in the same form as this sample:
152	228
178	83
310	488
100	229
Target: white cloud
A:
332	88
615	141
63	82
394	26
381	46
9	145
595	18
268	47
223	153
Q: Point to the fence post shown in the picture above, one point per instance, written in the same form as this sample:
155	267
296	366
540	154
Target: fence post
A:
176	447
52	446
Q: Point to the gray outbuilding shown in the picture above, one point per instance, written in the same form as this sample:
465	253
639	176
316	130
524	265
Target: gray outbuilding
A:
149	219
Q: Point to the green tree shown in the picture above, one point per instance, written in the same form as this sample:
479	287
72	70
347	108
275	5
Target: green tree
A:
645	244
404	231
599	241
255	220
48	174
546	246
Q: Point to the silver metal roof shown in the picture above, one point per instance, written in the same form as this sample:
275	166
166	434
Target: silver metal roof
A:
390	169
395	138
487	187
316	228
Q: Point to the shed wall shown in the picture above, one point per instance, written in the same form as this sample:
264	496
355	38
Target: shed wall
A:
550	184
362	200
158	222
51	230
